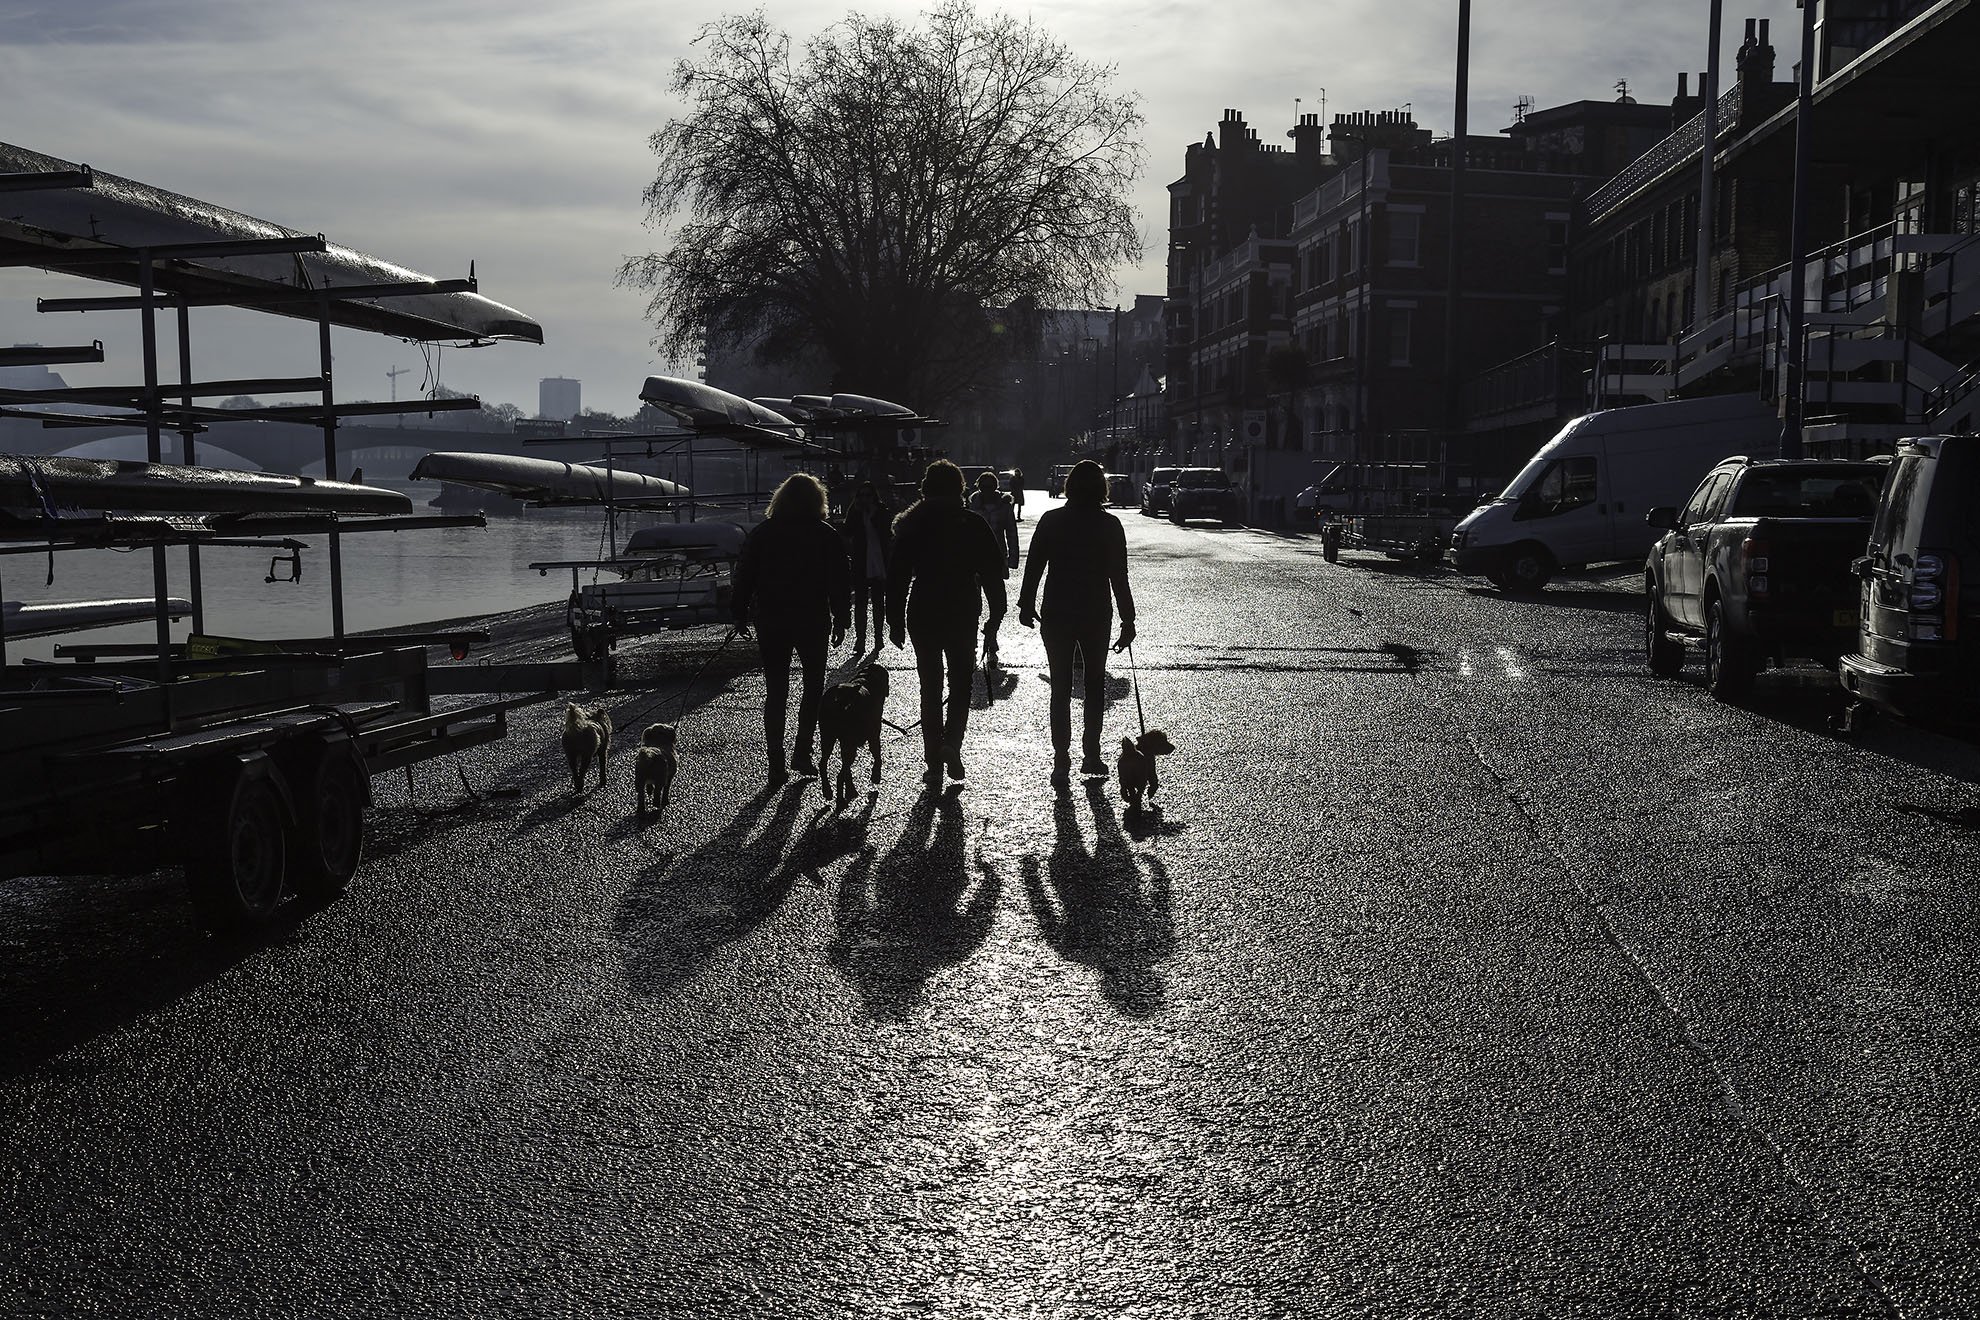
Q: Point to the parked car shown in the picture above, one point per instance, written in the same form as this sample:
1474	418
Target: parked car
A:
1155	491
1757	567
1204	493
1120	488
1582	498
1917	652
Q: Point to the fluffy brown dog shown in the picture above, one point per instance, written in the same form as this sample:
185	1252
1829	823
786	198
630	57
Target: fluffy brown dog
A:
850	714
1136	766
654	766
587	737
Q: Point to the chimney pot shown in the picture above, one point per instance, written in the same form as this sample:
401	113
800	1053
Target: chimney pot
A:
1684	83
1763	30
1749	32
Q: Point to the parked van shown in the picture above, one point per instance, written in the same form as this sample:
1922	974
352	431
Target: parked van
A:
1582	497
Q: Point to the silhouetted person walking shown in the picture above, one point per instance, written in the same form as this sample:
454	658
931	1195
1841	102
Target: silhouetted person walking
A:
1080	550
791	584
994	507
869	544
946	563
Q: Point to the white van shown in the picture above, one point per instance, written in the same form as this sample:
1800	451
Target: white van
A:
1582	498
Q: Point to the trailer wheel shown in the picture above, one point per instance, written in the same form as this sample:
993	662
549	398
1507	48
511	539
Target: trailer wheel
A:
330	823
1330	544
236	876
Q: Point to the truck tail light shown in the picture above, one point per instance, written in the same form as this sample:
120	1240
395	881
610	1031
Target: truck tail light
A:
1932	596
1753	553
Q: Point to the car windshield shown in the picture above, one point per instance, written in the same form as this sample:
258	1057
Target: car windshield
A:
1200	477
1838	492
1162	475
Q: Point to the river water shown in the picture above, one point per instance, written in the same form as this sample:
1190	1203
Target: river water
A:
391	579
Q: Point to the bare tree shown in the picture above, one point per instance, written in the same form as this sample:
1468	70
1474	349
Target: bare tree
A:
884	197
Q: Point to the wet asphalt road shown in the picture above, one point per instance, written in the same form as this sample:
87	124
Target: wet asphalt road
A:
1466	971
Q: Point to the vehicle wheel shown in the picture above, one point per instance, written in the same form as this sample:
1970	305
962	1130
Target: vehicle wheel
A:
1528	568
1729	663
330	823
1175	518
1665	656
1330	546
236	876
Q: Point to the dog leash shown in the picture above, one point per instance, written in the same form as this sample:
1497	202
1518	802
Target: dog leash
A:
1132	673
734	633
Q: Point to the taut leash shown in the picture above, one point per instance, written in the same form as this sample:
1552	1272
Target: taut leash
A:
1133	674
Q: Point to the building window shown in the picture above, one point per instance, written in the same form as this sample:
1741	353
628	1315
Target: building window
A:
1399	327
1557	243
1405	234
1351	258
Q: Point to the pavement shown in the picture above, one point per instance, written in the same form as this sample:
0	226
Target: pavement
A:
1464	970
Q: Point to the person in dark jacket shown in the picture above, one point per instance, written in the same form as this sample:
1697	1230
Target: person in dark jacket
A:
994	507
869	543
1080	550
946	563
791	583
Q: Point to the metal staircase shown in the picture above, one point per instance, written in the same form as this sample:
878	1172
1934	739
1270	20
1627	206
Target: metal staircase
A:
1883	311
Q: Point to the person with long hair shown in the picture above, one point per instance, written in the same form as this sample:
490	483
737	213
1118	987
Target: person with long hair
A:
791	584
1080	551
946	564
994	507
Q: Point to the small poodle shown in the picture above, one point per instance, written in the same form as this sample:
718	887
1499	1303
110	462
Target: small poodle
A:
1136	766
654	766
587	737
850	714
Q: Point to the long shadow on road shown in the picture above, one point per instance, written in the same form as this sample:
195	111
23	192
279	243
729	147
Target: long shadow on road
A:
923	905
1095	906
683	911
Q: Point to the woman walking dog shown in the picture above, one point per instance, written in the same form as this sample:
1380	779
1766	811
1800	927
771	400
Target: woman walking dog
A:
791	583
945	558
1080	550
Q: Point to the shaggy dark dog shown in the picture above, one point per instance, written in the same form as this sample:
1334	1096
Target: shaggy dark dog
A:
654	766
587	737
850	714
1136	765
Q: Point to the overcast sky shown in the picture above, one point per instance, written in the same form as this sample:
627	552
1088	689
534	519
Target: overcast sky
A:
435	132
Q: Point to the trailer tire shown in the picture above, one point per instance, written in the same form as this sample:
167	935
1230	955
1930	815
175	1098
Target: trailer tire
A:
1330	544
236	874
329	836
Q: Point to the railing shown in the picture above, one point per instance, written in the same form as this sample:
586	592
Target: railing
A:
1529	387
1683	145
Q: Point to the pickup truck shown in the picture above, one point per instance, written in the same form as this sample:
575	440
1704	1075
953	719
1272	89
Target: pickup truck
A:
1757	567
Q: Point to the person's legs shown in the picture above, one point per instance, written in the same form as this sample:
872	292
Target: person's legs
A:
877	590
775	648
1059	646
959	648
862	589
927	644
1093	646
812	649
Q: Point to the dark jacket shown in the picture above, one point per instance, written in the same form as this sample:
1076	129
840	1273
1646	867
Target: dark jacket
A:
944	555
857	530
792	576
1086	549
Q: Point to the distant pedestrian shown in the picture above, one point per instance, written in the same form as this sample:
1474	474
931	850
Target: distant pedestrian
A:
1017	493
1080	551
869	542
994	507
791	583
946	564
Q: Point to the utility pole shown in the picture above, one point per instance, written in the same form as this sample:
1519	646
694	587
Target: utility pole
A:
393	376
1797	327
1701	280
1453	353
1114	414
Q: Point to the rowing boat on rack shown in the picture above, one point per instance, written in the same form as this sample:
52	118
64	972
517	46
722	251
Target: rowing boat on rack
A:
547	481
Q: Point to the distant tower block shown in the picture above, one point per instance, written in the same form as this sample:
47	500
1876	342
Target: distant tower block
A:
558	398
